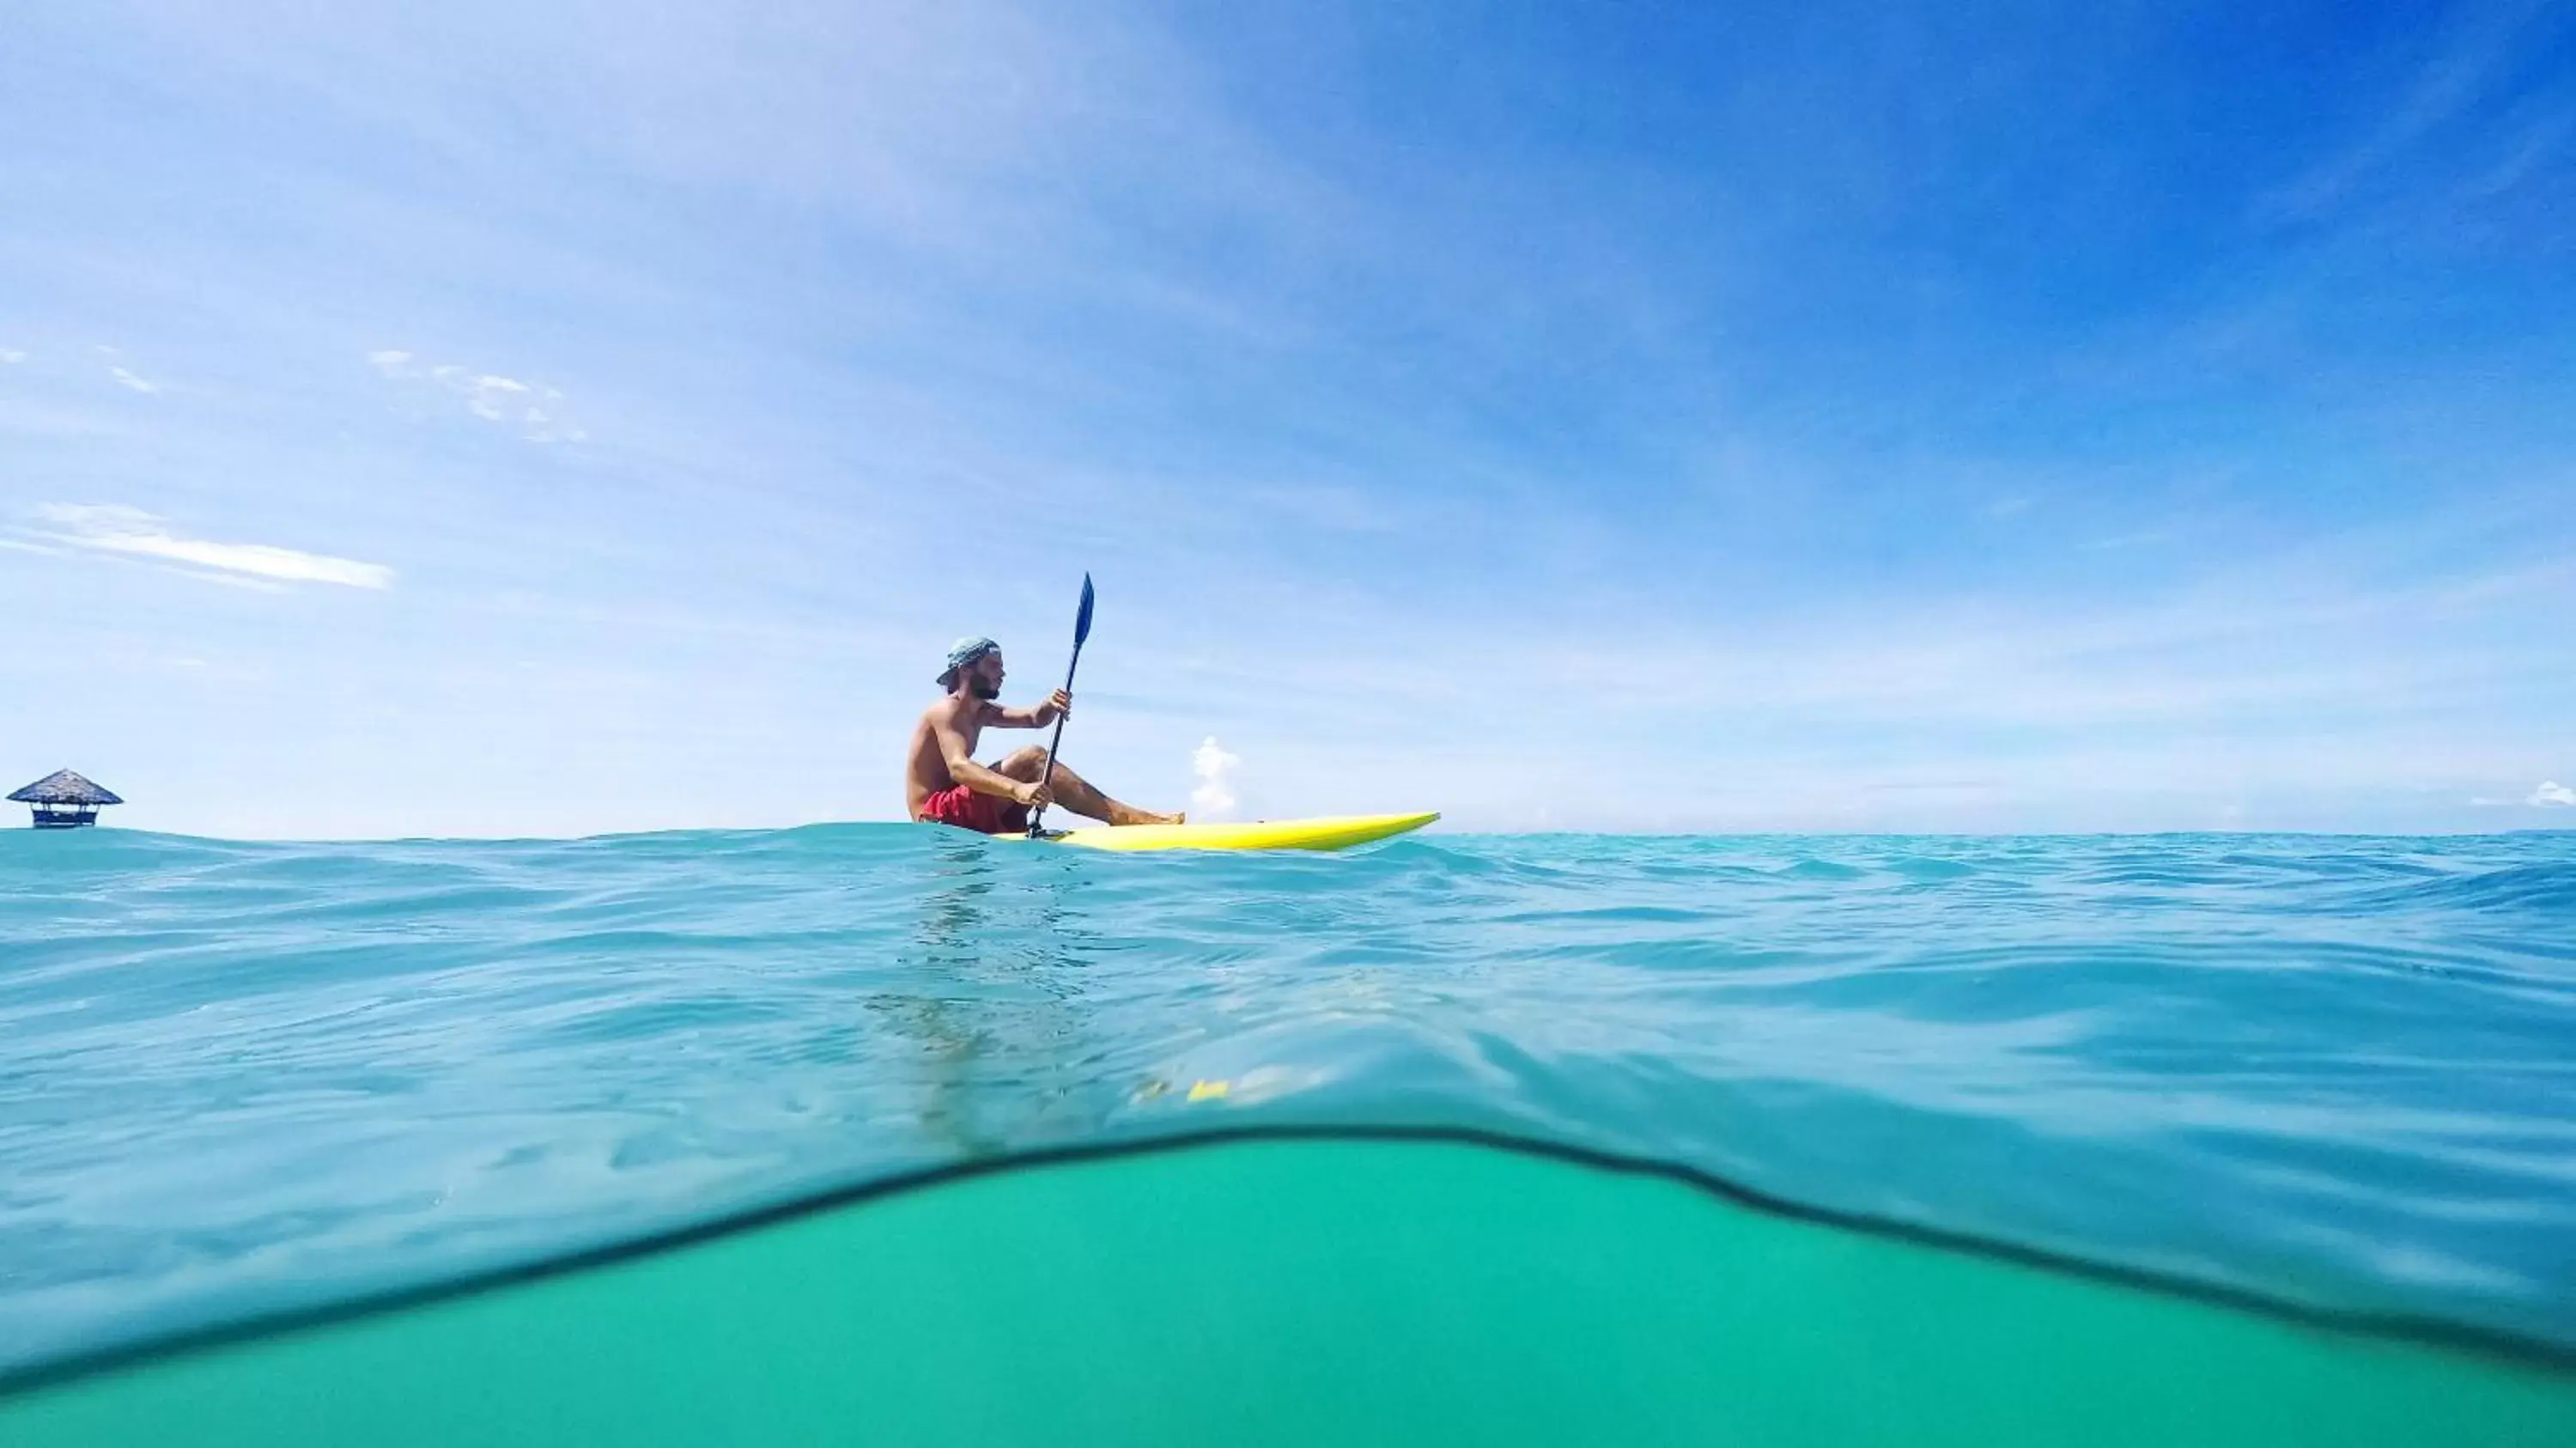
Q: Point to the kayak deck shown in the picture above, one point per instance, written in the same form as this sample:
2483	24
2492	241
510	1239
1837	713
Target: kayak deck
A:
1331	832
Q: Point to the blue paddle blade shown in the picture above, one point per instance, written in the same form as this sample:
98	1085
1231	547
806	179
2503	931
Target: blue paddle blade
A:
1082	620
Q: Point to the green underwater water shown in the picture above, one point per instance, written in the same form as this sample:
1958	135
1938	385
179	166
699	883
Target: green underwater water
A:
1306	1292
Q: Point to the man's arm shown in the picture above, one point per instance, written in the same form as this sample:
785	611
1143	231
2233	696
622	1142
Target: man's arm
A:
963	768
1037	717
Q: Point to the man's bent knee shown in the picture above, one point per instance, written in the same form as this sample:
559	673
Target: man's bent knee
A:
1026	763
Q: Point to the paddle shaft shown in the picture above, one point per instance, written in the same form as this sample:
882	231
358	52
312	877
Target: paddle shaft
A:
1055	743
1081	634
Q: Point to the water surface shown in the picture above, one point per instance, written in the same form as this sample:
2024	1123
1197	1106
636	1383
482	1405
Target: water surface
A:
241	1077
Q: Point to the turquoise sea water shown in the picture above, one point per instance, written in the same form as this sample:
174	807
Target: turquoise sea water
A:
238	1078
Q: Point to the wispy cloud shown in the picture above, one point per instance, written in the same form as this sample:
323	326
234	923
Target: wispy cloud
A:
114	529
1332	509
2477	52
534	409
11	356
2550	793
129	380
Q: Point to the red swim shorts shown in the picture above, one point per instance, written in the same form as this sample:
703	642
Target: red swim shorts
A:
988	813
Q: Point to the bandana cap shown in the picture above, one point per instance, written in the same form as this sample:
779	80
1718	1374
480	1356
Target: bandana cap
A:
967	651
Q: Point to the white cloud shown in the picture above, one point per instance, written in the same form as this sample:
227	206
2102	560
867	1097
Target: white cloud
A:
1214	797
534	408
2551	792
133	532
485	396
128	379
11	356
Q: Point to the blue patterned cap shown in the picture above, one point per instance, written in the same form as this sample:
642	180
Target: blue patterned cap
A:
968	650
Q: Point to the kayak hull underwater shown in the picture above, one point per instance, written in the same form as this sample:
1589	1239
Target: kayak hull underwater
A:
1332	832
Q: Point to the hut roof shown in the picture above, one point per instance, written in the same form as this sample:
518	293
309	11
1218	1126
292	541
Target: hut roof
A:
64	787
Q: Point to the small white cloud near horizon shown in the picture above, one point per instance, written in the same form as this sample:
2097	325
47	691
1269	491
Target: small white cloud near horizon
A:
534	408
129	380
116	529
1214	797
2552	794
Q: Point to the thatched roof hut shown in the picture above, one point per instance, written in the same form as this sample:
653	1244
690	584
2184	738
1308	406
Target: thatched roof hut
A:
64	799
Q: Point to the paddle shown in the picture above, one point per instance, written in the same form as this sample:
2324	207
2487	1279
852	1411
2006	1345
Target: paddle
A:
1081	631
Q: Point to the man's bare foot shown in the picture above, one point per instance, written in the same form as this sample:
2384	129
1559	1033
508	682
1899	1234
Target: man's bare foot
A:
1143	817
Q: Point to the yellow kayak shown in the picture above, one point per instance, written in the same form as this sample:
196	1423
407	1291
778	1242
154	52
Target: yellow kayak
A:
1333	832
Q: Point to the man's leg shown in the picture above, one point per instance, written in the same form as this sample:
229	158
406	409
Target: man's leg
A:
1076	794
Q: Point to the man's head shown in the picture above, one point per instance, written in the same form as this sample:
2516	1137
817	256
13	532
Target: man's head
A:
975	665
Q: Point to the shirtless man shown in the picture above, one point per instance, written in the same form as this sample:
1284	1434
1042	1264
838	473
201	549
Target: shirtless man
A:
942	783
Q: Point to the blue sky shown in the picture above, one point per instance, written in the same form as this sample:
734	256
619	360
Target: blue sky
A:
486	419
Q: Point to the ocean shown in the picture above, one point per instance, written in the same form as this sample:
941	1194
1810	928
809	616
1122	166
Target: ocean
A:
2330	1075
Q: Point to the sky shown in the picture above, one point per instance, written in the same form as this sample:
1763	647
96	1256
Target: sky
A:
485	419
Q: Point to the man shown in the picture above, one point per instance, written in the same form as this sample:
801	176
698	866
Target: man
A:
942	783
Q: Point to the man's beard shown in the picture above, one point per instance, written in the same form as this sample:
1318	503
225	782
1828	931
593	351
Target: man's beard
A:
984	691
